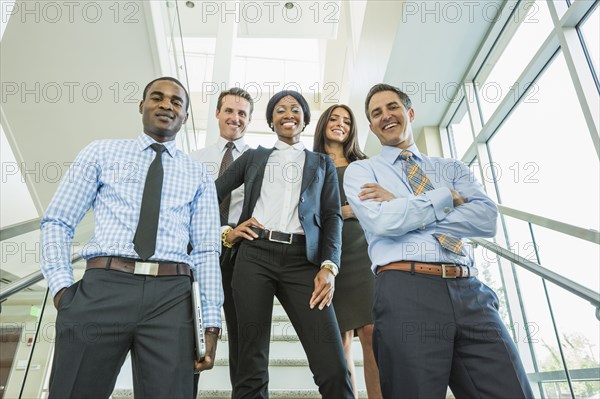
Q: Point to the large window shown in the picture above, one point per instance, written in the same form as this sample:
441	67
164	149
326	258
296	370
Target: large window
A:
460	132
544	157
531	31
542	163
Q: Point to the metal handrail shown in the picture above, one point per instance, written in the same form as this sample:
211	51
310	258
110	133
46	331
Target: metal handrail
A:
581	291
18	229
590	235
26	282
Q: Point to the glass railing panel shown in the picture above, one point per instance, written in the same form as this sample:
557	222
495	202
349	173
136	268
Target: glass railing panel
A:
37	378
569	256
580	340
20	256
19	326
539	329
27	319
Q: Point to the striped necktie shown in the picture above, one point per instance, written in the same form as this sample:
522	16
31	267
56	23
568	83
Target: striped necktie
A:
420	183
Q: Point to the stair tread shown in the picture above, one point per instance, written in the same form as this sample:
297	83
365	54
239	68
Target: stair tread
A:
282	362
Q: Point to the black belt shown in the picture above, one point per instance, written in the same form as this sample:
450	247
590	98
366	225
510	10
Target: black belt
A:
278	236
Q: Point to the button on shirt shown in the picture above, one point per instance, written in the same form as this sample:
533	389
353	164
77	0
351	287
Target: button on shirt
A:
402	229
211	158
277	206
110	176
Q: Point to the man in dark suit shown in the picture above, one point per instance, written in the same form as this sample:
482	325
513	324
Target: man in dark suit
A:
234	113
288	245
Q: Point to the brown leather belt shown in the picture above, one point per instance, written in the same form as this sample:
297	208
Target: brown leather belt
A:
433	269
138	267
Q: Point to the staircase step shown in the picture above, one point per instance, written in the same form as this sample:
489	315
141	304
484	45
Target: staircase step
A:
280	377
274	394
284	362
226	394
291	349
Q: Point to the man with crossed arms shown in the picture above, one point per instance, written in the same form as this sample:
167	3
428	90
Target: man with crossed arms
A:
234	113
436	324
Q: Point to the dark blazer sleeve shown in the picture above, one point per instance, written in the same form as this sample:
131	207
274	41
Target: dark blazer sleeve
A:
233	176
331	215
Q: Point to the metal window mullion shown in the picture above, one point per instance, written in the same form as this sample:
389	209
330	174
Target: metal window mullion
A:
583	81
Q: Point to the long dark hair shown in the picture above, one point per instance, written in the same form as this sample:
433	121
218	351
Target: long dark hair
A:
352	151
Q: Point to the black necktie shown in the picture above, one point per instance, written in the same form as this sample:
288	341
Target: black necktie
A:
227	160
144	241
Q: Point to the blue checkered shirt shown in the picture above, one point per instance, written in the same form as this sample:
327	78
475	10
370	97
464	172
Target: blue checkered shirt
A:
403	229
109	175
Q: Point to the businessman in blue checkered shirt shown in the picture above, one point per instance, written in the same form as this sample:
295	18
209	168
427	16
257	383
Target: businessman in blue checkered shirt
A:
150	200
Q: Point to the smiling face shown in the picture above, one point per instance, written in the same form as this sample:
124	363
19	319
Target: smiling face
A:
390	120
233	117
338	126
163	110
288	120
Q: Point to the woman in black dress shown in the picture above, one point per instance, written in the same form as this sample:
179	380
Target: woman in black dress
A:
336	135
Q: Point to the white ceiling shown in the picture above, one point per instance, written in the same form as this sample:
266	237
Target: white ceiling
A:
422	47
314	19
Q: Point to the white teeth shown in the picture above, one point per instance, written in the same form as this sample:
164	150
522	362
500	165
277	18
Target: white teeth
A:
389	125
289	124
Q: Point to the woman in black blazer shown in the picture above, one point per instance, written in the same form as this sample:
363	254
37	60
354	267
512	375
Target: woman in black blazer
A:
286	244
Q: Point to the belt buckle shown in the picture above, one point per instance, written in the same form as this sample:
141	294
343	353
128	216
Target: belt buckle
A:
280	241
146	268
445	272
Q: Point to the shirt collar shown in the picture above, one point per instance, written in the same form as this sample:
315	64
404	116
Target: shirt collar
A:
390	154
239	144
280	145
144	141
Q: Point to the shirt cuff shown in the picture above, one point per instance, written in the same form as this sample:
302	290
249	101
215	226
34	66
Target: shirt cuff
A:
441	199
212	316
61	278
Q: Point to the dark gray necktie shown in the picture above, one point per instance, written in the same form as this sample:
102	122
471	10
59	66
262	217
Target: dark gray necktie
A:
227	160
144	241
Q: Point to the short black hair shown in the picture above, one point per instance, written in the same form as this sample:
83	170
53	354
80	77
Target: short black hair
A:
177	82
235	91
386	87
284	93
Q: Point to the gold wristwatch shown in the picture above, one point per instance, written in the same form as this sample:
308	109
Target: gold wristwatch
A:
331	267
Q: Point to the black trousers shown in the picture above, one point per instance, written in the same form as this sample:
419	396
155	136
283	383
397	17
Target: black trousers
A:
108	313
432	332
230	316
265	269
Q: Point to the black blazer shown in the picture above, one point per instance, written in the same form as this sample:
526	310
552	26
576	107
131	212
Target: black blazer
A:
319	207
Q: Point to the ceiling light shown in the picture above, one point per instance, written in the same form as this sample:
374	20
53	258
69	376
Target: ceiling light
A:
289	5
190	4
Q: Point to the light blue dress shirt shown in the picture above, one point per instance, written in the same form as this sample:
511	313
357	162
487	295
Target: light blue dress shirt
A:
402	229
109	175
